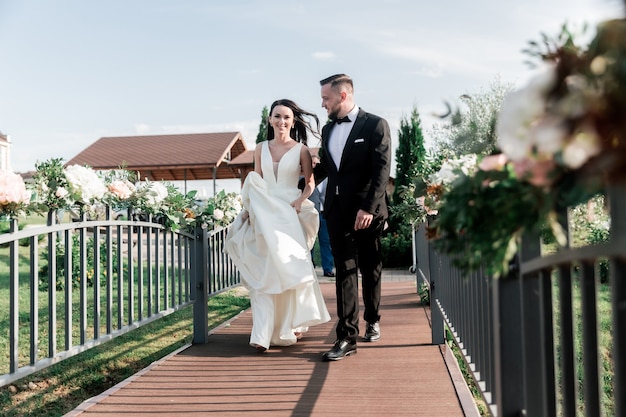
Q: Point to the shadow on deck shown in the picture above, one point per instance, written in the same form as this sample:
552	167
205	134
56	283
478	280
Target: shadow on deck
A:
403	374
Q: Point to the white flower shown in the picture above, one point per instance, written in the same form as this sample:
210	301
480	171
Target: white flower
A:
549	135
218	214
158	191
450	169
85	183
153	193
445	175
519	127
583	146
61	192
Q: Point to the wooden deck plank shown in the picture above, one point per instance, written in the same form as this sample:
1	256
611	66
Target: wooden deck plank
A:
400	375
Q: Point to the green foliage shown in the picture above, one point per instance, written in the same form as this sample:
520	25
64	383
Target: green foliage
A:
590	225
396	246
471	130
179	208
220	210
49	178
424	293
468	228
262	135
590	222
76	257
483	408
410	154
408	211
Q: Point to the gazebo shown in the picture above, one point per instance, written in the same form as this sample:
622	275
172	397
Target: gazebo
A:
177	157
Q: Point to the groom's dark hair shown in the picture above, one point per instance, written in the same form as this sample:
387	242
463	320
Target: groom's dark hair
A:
338	79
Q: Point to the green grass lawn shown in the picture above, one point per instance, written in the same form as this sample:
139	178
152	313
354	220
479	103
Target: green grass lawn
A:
43	316
60	388
605	343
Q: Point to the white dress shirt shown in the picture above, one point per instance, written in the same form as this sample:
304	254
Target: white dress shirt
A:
339	135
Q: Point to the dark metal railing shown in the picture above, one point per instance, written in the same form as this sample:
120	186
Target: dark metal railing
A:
531	339
89	281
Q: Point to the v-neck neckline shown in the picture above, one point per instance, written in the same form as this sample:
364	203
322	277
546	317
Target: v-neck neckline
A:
282	156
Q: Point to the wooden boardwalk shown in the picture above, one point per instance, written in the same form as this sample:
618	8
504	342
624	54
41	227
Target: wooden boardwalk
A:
400	375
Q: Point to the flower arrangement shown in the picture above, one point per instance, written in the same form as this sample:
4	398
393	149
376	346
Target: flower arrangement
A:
221	210
430	190
482	216
149	196
178	208
85	186
80	188
51	186
561	138
121	189
14	197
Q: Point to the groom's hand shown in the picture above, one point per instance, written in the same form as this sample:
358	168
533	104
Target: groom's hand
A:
363	220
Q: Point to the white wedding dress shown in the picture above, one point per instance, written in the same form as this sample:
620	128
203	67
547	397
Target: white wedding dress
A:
272	250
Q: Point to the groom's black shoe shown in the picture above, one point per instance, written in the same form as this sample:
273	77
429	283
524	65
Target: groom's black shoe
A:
372	332
341	349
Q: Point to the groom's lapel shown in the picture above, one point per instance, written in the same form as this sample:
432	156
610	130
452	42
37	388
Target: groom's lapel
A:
325	138
354	135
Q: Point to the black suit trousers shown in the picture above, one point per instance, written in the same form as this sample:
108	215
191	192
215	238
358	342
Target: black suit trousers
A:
355	251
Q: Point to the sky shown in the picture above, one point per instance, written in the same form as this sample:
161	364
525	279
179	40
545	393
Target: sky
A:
73	71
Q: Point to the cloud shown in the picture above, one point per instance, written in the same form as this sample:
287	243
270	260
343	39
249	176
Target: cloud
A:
433	71
142	129
323	56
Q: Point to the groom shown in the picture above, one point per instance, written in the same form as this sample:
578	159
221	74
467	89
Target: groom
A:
356	158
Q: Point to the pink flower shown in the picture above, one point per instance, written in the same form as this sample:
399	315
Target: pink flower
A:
493	162
121	189
538	173
12	189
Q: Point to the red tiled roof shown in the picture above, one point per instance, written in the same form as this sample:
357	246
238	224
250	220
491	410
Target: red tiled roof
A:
167	157
247	157
244	158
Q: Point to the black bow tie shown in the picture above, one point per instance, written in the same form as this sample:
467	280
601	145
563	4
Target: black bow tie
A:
343	119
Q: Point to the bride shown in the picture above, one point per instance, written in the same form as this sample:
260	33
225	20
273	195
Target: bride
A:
270	242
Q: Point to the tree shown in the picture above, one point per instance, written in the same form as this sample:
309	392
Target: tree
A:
472	129
409	155
262	135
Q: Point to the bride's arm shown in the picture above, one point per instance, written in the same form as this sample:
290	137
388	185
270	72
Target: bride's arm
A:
257	160
307	173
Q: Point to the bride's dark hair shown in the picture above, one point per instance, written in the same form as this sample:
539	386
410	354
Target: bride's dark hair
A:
300	122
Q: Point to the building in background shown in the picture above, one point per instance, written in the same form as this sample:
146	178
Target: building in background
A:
5	152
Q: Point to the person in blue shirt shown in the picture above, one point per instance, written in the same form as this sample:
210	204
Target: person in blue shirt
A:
317	197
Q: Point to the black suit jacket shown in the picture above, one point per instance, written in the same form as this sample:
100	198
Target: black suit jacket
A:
361	180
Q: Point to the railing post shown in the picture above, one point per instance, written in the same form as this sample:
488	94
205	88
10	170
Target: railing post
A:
13	300
200	280
421	261
617	208
52	285
508	353
433	266
537	338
